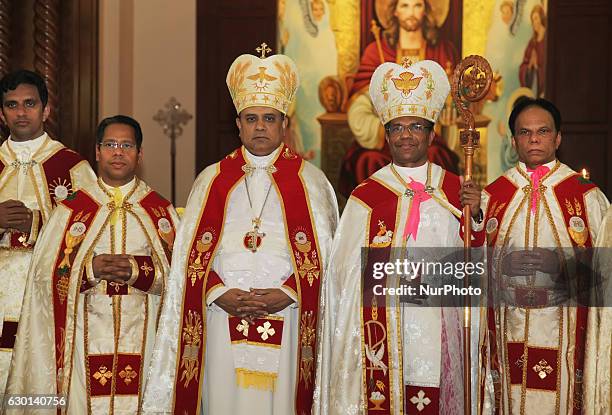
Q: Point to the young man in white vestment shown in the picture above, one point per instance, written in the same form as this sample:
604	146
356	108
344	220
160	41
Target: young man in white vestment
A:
238	332
36	173
380	352
95	286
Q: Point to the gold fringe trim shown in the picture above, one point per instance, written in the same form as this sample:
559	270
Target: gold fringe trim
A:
259	380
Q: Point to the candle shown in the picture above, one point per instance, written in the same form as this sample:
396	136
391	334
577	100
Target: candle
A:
585	174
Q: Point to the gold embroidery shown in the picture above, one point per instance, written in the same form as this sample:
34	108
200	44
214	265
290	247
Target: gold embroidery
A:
520	362
116	285
192	338
23	239
308	265
288	154
578	399
578	207
102	375
307	339
236	79
262	79
406	83
375	346
543	369
128	374
74	236
288	83
263	50
569	207
492	210
196	270
383	238
164	228
499	208
146	268
62	285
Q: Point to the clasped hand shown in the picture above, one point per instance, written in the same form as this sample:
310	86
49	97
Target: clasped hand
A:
527	262
15	215
114	268
255	303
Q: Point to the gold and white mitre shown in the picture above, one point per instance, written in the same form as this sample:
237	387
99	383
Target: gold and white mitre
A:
263	82
418	90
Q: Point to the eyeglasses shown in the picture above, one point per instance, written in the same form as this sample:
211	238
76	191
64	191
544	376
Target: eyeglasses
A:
415	129
113	145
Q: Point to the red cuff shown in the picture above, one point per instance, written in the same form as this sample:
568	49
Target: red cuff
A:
291	284
146	273
21	240
85	283
213	281
478	237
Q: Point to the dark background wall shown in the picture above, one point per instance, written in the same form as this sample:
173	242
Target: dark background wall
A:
59	38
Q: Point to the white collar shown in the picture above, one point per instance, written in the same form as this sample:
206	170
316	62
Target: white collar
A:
30	146
124	189
261	161
550	165
418	173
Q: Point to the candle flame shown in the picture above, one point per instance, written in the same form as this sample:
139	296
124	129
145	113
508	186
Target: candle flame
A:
585	174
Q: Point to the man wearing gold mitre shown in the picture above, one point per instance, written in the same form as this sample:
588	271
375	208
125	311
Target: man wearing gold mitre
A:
239	328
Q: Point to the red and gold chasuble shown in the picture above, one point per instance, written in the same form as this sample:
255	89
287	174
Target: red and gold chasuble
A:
83	211
501	192
57	186
156	208
302	238
376	344
384	207
572	191
57	174
540	368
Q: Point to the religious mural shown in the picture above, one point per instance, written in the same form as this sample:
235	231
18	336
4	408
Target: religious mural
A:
516	49
337	44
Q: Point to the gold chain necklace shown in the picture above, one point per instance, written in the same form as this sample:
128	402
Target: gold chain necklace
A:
253	239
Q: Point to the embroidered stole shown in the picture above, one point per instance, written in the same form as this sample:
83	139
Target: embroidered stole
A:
302	239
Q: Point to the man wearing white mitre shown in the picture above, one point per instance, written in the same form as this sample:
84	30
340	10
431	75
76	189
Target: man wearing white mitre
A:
377	353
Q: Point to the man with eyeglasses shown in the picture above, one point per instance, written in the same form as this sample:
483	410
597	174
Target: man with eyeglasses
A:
94	292
381	352
541	221
36	173
238	332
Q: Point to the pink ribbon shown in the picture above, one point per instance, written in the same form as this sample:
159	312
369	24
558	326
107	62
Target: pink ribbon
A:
536	177
414	216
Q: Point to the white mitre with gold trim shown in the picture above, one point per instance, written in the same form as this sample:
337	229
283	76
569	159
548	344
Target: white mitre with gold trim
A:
418	90
263	81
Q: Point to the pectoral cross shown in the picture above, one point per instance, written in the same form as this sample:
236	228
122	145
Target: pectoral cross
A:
252	239
24	165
